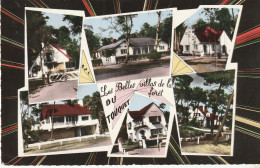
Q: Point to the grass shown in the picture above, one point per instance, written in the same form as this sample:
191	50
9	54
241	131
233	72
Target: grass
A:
131	146
186	132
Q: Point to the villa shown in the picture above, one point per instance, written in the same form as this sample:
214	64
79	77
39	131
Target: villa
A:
205	41
54	59
66	120
147	123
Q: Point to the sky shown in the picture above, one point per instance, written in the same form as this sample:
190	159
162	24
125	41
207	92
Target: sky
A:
84	90
138	21
135	104
56	20
193	19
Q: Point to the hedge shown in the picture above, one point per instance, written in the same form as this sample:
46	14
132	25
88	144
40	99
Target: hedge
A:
96	62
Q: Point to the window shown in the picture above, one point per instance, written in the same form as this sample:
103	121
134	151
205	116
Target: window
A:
161	47
49	57
123	51
72	119
156	131
129	125
155	119
196	47
58	119
187	47
85	118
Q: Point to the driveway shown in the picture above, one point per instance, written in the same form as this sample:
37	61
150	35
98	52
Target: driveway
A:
145	151
55	91
134	70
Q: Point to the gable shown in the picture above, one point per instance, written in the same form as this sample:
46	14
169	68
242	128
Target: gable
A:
154	110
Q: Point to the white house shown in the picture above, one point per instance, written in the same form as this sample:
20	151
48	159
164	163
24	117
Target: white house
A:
137	46
203	116
68	121
205	41
146	123
54	59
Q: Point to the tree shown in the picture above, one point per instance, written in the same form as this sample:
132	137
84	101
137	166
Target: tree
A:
93	42
157	30
24	103
198	95
122	25
200	23
222	79
223	120
166	30
178	34
75	23
147	30
106	41
94	104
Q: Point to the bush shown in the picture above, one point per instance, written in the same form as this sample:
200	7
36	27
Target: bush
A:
219	55
154	55
96	62
186	132
194	123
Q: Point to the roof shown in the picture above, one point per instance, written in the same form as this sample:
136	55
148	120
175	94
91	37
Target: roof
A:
63	110
142	41
138	115
60	50
207	34
205	111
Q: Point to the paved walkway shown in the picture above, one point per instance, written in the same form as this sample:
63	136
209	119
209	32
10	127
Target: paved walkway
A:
133	70
55	91
145	151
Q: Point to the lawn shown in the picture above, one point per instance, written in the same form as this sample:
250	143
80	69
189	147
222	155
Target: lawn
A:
130	146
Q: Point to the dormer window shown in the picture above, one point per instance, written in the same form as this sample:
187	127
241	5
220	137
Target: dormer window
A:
129	125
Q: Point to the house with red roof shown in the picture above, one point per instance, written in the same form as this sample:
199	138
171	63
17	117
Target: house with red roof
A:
205	41
54	59
203	116
146	123
67	121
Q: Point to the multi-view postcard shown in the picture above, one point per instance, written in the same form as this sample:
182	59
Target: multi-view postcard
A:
67	126
53	54
130	46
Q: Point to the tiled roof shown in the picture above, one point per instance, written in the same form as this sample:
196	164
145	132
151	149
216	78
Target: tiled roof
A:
205	111
138	115
137	42
63	110
207	34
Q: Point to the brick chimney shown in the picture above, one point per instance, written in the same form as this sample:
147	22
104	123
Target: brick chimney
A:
114	41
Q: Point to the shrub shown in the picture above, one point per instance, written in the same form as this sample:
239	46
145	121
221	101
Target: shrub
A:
154	55
96	62
194	123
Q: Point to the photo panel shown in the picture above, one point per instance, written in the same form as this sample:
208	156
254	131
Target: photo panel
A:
117	99
53	52
205	108
130	46
62	127
145	129
204	38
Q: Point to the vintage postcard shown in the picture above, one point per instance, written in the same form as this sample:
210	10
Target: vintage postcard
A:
130	46
67	126
53	45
